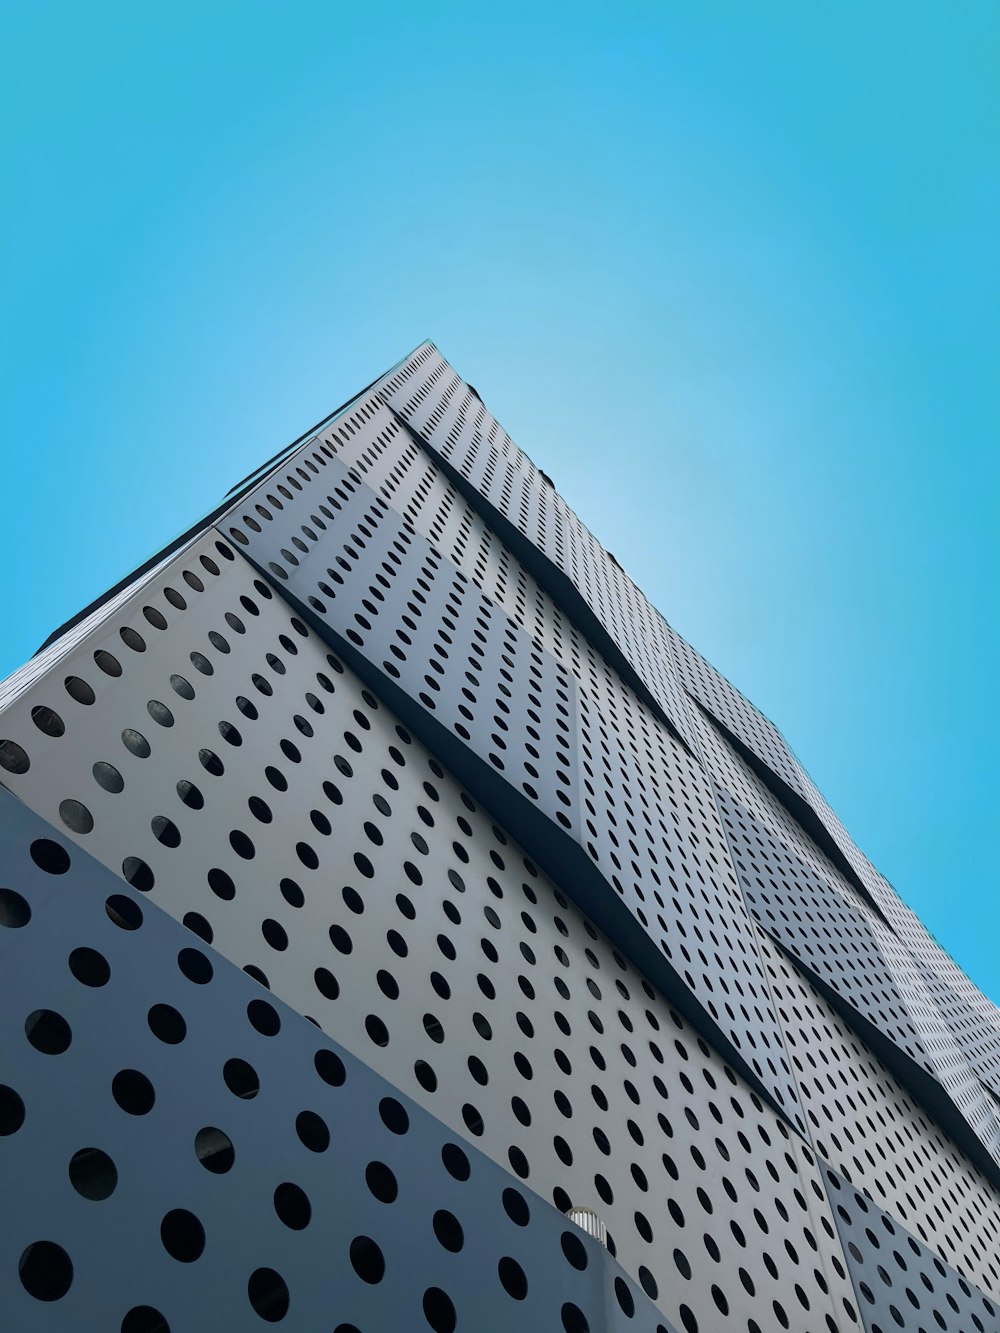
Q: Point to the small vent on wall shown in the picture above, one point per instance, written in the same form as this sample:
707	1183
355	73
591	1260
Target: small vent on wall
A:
589	1221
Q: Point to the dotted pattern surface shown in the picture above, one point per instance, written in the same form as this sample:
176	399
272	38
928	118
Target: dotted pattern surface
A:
900	1282
877	1136
399	739
808	906
198	1181
353	876
568	736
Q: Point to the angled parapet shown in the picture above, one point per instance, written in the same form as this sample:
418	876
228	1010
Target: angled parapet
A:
758	736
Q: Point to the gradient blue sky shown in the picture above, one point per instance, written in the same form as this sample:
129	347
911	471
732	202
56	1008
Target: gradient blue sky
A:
729	273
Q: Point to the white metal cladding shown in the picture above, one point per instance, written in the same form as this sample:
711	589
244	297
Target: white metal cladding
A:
402	741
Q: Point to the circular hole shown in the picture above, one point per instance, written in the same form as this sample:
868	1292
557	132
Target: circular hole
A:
131	638
574	1250
79	690
144	1319
155	618
455	1161
166	1024
76	816
274	933
190	794
137	873
211	763
340	939
93	1174
49	856
439	1310
260	809
14	910
330	1067
393	1115
197	924
108	777
381	1181
387	984
425	1075
312	1131
448	1230
264	1017
48	1031
107	663
13	758
45	1270
221	885
625	1298
242	845
195	966
47	721
291	893
573	1319
182	1235
292	1206
512	1278
135	742
326	983
268	1294
165	831
377	1030
160	713
133	1092
367	1260
474	1122
182	687
214	1150
124	912
89	967
516	1207
11	1111
241	1079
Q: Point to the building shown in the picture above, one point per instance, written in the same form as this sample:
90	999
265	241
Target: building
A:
384	878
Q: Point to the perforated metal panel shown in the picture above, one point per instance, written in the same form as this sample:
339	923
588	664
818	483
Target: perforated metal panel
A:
176	1149
401	741
901	1284
404	613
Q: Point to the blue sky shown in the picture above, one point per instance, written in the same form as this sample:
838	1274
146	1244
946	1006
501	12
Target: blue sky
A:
729	274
